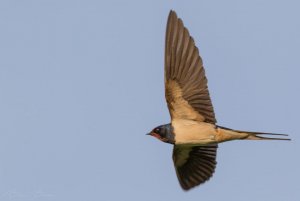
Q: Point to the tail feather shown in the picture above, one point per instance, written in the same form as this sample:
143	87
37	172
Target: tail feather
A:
253	136
258	135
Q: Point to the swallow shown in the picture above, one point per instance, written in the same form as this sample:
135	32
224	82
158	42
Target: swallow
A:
193	129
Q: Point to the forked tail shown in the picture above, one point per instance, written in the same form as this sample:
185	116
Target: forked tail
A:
258	135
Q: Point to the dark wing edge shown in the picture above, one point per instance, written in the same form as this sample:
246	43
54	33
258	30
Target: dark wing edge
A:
184	65
194	165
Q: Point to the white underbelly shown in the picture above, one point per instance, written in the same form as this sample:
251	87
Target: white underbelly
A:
192	132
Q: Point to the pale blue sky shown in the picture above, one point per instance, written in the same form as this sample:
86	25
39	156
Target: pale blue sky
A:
81	82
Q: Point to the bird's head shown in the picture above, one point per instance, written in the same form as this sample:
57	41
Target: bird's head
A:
163	133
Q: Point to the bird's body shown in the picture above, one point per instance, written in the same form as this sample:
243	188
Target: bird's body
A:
193	130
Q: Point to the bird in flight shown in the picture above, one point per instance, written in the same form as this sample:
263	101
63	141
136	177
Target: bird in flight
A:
193	130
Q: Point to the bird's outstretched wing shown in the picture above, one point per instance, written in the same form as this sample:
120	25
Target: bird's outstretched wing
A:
194	165
185	82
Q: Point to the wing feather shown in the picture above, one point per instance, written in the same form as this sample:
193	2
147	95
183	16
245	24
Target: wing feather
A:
187	93
194	164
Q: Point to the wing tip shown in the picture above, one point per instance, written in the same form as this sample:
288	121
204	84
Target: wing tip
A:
172	14
186	186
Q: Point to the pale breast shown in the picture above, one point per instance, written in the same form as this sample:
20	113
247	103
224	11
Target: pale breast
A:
193	132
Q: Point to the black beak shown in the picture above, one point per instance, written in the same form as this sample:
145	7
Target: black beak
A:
148	134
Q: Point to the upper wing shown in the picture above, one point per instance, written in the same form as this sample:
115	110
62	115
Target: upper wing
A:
194	165
185	82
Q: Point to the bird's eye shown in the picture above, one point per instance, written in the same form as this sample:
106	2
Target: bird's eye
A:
157	130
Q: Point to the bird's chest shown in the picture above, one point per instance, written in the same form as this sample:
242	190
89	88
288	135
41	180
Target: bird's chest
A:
192	132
